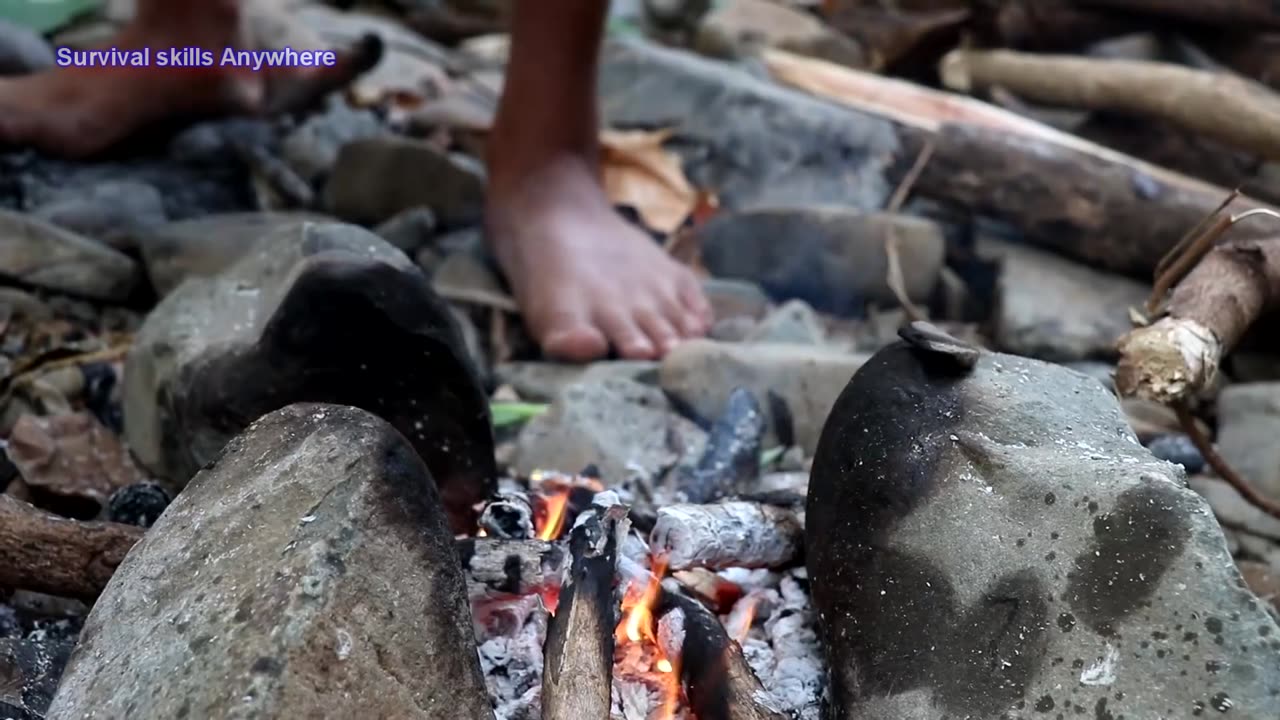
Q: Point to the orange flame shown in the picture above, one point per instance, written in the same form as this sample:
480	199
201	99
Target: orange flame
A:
553	523
748	616
637	621
670	690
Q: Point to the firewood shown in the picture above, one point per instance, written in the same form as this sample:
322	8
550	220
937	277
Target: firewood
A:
1100	207
729	534
49	554
1217	105
1175	358
1048	25
511	567
717	678
509	516
1244	15
577	678
731	461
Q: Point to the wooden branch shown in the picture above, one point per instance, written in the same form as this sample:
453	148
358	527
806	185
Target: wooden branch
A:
1175	358
1220	465
730	534
509	516
731	460
1244	15
1221	106
1101	208
1048	25
577	678
49	554
717	678
494	566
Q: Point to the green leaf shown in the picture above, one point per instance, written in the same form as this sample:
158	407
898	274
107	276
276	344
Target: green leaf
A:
44	16
514	413
770	456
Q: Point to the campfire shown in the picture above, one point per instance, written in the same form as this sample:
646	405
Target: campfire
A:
657	625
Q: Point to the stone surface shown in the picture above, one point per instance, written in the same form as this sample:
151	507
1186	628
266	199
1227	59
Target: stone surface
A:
312	148
1233	510
409	229
23	51
831	257
622	427
756	143
793	322
995	543
307	572
731	299
319	312
114	212
1055	309
737	27
376	178
1248	425
544	381
208	245
796	384
47	256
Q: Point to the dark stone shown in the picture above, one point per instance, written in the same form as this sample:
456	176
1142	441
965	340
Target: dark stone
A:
140	504
1178	449
966	528
730	464
315	312
29	673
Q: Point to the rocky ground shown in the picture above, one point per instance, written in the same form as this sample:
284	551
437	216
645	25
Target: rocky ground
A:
157	303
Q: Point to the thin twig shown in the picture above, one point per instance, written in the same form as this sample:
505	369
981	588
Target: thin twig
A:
1177	250
1220	466
900	193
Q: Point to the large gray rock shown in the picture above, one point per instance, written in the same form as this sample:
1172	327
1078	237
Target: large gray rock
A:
1055	309
544	381
312	148
796	384
375	178
793	322
831	257
29	673
993	543
739	27
1248	425
308	572
757	143
318	312
618	425
114	211
46	256
207	245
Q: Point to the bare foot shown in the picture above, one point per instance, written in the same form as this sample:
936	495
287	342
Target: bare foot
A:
585	279
79	112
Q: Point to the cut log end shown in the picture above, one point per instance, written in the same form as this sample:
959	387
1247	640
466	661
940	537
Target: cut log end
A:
1168	362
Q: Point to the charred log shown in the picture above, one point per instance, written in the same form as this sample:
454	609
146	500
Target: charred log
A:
731	460
508	516
578	675
494	566
730	534
717	678
1243	15
50	554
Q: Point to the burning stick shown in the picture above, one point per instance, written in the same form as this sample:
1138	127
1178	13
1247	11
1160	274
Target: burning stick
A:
732	458
50	554
730	534
509	516
511	567
578	675
720	684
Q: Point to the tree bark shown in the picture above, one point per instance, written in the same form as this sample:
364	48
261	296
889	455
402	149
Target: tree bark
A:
1243	15
49	554
1217	105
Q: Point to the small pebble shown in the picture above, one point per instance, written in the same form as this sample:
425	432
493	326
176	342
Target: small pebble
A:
140	504
1177	448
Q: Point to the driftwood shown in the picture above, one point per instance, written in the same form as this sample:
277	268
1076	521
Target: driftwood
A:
717	678
730	534
731	461
54	555
509	516
578	674
1048	25
511	567
1217	105
1244	15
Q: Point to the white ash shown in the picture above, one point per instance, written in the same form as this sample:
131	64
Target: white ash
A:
509	635
748	580
797	679
671	633
749	611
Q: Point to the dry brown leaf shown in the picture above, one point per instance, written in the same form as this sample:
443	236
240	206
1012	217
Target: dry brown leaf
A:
71	456
640	173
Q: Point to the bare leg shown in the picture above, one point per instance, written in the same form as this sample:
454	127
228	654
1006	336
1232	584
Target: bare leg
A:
83	111
584	278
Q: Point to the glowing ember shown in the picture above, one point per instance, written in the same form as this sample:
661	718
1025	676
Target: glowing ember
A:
637	631
553	515
748	616
664	665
